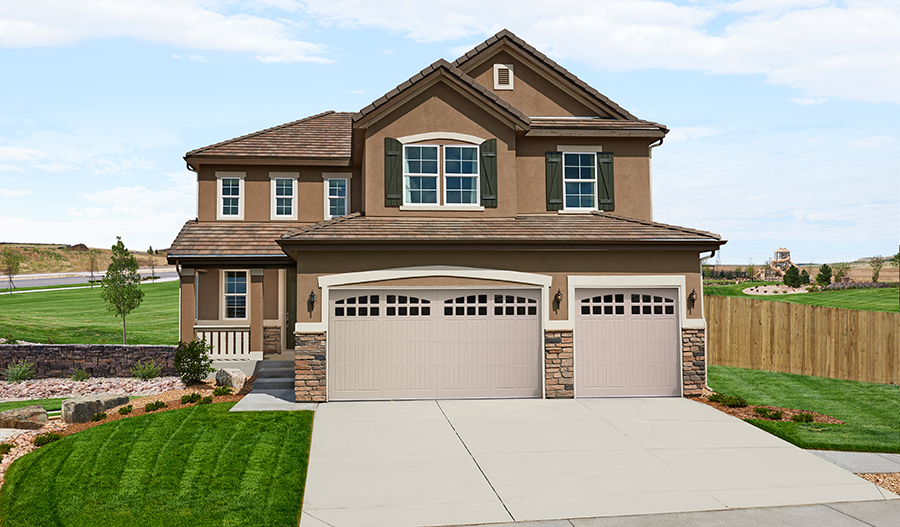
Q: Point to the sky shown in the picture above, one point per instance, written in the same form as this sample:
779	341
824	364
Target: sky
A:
783	113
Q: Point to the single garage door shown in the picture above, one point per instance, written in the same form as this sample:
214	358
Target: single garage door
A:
434	344
627	342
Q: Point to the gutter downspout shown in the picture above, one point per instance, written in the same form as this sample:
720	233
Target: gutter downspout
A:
703	259
653	145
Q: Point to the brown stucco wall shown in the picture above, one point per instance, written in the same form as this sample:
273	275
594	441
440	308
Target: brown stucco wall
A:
208	297
440	108
556	264
532	93
270	294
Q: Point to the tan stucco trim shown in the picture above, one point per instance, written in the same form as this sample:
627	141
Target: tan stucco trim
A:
431	136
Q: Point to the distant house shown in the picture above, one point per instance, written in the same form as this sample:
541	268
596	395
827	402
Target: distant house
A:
483	230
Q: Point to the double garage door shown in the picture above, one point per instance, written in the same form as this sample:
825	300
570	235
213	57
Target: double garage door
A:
463	343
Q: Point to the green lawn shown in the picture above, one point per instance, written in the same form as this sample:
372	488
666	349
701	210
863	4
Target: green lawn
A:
869	410
863	299
79	316
199	466
51	405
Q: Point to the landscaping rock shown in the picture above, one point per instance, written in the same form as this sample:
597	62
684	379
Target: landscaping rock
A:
27	417
231	377
81	409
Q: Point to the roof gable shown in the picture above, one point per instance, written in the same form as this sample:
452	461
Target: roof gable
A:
506	40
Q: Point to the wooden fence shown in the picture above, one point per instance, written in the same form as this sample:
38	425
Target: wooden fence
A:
807	340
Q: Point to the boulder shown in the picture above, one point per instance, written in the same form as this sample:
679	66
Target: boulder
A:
81	409
27	417
232	377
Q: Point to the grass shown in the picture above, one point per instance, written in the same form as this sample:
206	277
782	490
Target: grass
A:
884	300
51	405
869	410
198	466
79	316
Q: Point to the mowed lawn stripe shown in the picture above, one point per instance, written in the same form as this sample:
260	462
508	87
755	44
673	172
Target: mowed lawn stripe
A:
80	316
193	466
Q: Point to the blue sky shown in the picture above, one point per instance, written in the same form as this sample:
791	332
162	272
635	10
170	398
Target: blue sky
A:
783	113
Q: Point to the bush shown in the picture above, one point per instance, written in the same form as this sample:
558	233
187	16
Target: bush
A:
824	276
206	400
49	437
146	370
222	390
99	416
154	406
19	371
80	375
802	418
125	410
792	277
731	401
192	361
765	413
4	449
804	278
192	398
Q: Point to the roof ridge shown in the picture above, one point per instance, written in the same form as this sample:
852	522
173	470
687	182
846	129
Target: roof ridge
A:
547	61
259	132
652	223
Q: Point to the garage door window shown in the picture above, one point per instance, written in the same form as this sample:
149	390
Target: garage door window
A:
407	306
357	306
652	305
609	304
514	305
469	305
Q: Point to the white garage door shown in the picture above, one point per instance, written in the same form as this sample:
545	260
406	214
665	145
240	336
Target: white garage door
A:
434	344
627	342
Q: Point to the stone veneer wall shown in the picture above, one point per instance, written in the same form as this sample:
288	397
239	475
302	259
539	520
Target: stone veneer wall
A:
99	360
693	356
559	367
272	339
309	367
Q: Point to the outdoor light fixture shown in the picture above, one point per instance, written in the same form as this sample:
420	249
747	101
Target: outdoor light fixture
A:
558	296
692	298
312	297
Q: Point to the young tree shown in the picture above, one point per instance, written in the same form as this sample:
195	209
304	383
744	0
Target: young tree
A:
11	260
751	271
122	284
804	277
876	263
839	271
93	263
792	277
152	263
824	276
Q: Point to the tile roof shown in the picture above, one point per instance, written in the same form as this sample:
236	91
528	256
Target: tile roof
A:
453	71
589	123
550	63
323	136
243	239
597	227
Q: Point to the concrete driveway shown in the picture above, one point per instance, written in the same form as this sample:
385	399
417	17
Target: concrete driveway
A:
428	463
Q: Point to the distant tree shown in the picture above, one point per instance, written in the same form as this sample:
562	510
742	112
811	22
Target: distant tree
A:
824	276
729	274
751	270
93	263
876	263
739	271
11	260
792	277
895	261
150	251
839	271
152	264
804	277
122	284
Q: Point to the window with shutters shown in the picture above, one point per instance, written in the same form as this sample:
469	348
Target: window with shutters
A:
503	76
580	180
437	175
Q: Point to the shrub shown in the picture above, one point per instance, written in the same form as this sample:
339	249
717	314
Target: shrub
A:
192	398
126	410
792	277
19	371
146	370
766	413
802	418
80	375
4	449
154	406
824	276
8	339
222	390
804	278
49	437
206	400
99	416
192	361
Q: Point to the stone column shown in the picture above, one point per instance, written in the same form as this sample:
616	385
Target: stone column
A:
693	356
309	367
559	365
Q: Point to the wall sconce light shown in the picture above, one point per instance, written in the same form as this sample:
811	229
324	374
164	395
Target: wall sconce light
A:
312	298
558	297
692	299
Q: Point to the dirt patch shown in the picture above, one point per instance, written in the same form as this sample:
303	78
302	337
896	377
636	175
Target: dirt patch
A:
748	411
889	481
779	289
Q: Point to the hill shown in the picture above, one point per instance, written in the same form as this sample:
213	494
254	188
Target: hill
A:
52	258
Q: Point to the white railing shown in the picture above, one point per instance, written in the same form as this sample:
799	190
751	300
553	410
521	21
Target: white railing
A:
227	342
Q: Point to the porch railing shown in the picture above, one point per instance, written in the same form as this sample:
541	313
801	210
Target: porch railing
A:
228	342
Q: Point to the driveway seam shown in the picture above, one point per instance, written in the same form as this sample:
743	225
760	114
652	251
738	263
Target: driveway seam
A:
438	403
848	515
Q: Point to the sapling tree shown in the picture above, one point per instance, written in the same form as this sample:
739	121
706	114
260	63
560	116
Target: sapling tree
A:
122	284
152	263
839	271
876	263
10	262
93	263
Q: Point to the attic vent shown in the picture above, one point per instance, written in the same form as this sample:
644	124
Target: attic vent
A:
503	76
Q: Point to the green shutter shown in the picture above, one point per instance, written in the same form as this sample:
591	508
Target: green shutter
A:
554	180
607	199
489	173
393	172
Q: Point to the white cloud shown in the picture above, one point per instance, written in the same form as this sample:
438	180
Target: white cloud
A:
805	101
190	24
6	193
12	153
195	58
873	142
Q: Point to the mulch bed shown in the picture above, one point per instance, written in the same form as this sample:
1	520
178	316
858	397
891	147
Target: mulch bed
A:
890	481
748	412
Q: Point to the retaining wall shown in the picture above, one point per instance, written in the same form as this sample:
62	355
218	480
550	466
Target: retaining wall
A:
100	360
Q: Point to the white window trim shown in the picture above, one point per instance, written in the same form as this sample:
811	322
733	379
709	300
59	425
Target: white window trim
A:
579	149
497	85
222	309
476	175
273	176
566	208
327	176
436	176
241	195
442	204
431	136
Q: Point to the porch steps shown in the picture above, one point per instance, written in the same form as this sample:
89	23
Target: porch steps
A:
275	377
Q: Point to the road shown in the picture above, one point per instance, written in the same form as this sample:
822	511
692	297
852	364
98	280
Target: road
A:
41	280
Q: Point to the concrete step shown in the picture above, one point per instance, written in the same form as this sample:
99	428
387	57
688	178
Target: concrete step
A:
275	364
273	384
270	373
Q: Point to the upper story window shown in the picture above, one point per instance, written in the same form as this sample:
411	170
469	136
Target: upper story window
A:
337	194
230	204
580	180
432	171
284	195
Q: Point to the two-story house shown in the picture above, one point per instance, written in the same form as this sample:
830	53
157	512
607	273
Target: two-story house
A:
483	230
